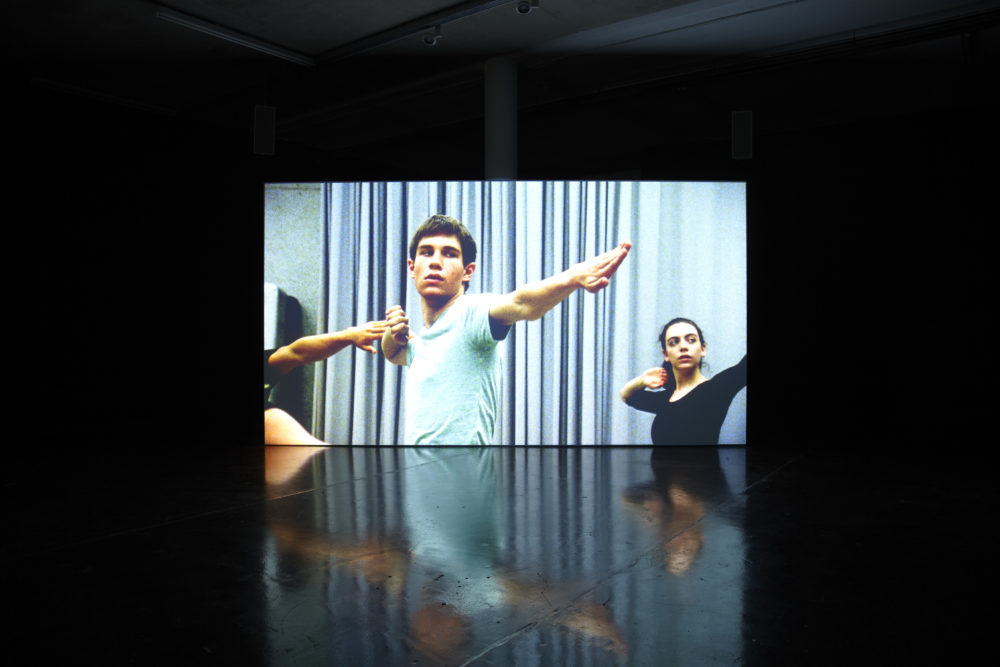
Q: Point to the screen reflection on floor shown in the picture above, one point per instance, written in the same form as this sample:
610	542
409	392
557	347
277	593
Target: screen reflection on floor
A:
527	556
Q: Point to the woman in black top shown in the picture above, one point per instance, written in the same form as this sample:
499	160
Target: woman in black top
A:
689	407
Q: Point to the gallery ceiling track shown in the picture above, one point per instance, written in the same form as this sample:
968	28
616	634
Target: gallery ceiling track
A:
417	26
230	35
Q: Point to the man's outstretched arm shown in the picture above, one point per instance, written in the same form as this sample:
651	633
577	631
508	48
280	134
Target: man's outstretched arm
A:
533	300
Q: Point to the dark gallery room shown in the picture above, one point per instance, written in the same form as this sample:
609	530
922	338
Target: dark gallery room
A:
514	255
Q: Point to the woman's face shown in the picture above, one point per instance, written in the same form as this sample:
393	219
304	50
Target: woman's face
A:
683	348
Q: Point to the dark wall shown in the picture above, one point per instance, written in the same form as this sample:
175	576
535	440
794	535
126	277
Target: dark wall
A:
145	234
139	308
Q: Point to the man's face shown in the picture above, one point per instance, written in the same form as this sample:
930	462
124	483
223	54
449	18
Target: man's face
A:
437	271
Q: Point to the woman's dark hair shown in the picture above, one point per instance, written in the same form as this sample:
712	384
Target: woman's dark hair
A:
671	381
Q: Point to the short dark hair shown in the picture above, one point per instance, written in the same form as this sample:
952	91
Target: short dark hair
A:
445	225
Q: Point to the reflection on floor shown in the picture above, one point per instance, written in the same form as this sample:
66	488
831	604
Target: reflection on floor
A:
497	556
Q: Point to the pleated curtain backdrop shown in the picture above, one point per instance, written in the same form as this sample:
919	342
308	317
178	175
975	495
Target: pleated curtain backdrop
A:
562	374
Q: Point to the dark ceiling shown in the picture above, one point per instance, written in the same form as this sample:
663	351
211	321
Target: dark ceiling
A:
366	64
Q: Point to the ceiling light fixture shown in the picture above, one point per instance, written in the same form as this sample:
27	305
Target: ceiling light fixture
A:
526	6
431	37
417	26
229	35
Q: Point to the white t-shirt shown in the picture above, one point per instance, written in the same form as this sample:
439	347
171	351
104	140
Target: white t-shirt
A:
453	377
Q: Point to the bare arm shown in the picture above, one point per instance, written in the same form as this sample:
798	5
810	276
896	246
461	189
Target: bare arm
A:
653	378
533	300
310	349
396	336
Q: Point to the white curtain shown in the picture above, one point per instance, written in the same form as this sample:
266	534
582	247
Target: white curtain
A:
562	374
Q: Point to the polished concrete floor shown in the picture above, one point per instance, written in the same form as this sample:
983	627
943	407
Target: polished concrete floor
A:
548	556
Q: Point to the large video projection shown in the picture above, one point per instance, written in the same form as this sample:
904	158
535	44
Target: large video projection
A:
335	254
